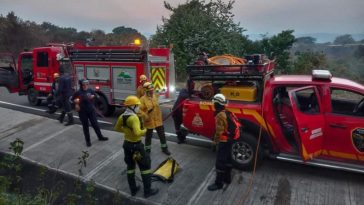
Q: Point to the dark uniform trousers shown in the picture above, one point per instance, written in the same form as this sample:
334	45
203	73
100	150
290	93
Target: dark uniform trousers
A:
84	117
177	119
162	138
223	163
135	154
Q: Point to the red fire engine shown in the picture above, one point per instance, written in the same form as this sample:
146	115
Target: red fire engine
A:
113	71
313	119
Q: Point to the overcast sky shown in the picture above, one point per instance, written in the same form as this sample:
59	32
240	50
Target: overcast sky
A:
257	16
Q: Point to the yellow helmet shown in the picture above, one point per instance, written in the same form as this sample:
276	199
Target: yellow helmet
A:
143	78
55	75
131	100
148	86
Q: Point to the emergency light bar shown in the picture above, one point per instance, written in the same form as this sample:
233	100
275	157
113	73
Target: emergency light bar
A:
321	74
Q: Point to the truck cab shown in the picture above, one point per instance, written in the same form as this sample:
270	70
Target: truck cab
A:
32	75
313	119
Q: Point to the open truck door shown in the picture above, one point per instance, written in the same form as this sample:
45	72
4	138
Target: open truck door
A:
8	73
307	109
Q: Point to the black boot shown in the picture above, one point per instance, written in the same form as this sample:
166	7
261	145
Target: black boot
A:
218	182
166	151
132	184
180	137
88	143
61	117
102	138
70	119
227	176
147	183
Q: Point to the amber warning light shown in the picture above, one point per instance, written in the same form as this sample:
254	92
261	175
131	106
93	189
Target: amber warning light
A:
137	41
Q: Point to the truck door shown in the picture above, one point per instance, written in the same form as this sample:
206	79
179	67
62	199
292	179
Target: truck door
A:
345	124
309	118
8	73
25	71
41	70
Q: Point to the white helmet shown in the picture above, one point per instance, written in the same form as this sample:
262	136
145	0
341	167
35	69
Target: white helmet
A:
220	99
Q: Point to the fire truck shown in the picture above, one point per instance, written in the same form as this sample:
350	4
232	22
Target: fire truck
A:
313	119
113	71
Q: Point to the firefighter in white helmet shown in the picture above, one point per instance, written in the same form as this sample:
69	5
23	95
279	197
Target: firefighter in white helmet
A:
134	152
223	156
140	90
152	116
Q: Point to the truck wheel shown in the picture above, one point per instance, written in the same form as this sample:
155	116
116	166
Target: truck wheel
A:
103	106
243	152
33	97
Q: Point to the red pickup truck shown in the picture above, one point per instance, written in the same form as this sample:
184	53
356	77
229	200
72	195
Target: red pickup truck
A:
312	119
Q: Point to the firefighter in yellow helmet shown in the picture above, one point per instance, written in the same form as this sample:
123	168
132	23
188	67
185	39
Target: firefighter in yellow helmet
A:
140	90
129	124
53	102
152	116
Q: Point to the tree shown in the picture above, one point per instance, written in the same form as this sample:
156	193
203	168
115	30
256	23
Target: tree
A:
124	30
306	40
277	47
308	61
344	39
197	26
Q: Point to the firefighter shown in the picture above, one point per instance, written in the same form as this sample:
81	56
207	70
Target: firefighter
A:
84	105
140	90
134	152
177	110
65	93
53	97
152	116
223	164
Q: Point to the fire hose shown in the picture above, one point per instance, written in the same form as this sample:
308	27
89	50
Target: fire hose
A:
174	110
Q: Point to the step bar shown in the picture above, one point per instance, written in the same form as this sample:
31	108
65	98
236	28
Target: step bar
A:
322	163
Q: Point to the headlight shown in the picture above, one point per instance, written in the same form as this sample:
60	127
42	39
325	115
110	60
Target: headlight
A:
172	88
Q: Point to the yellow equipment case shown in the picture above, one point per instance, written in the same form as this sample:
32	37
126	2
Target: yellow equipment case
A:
240	93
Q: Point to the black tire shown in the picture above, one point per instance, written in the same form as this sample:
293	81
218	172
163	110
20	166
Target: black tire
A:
243	152
33	97
103	106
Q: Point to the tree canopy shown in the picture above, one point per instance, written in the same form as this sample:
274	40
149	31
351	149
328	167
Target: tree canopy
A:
344	39
200	26
17	34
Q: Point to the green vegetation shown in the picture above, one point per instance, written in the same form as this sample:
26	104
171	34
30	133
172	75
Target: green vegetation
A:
47	190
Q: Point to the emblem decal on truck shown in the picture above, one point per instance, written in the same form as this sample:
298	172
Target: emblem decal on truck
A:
358	139
124	78
197	121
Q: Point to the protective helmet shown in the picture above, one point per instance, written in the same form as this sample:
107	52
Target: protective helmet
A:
148	86
143	78
131	100
220	99
55	75
84	82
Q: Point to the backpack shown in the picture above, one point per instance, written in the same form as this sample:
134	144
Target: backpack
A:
234	126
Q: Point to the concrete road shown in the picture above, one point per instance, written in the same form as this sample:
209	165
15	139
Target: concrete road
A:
58	147
15	102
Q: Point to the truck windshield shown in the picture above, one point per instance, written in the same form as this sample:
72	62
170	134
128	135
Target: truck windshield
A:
6	61
65	66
